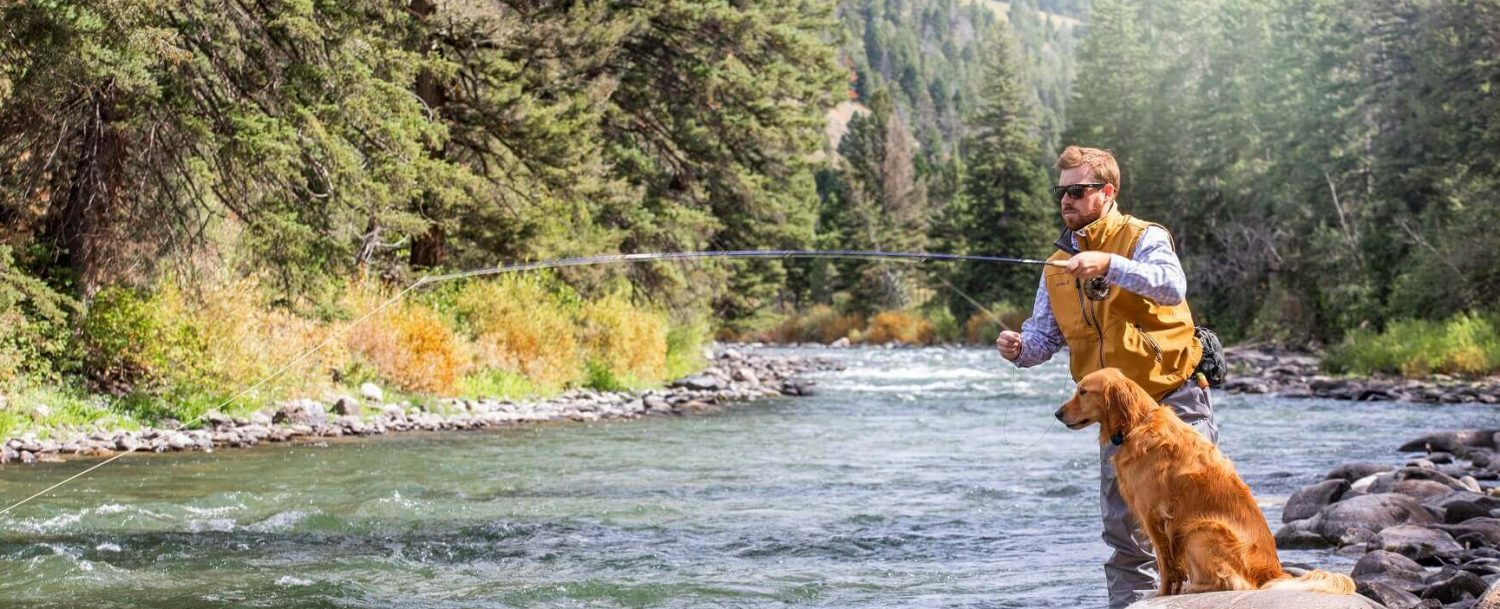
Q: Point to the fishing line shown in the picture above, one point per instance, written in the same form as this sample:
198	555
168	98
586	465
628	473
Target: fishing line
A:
1006	424
559	263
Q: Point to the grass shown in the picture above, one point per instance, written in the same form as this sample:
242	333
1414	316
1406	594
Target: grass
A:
1466	344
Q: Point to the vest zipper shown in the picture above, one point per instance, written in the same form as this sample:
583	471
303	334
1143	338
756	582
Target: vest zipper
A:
1155	348
1086	309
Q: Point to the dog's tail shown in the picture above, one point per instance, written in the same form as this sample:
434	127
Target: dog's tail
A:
1316	580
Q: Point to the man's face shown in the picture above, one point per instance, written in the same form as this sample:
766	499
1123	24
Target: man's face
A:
1080	212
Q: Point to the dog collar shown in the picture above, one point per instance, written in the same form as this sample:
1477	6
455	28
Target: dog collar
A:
1118	438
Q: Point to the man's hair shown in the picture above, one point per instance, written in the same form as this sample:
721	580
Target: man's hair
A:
1101	161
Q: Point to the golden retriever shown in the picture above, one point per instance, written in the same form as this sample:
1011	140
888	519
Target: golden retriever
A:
1207	531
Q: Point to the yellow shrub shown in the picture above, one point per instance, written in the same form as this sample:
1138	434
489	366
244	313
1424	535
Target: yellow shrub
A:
980	330
899	326
627	339
520	327
244	341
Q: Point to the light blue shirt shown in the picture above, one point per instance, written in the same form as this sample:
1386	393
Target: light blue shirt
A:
1152	270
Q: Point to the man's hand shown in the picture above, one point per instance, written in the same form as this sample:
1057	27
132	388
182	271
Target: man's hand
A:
1009	344
1088	265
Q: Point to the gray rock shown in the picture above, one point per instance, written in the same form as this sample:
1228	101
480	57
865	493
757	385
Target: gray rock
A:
1482	531
1355	471
1416	542
304	412
1306	502
1451	441
1296	535
1369	513
702	382
1381	563
1394	597
1257	599
372	392
840	343
345	406
1454	586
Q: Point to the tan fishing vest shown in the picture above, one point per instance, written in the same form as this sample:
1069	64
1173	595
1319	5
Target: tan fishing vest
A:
1152	344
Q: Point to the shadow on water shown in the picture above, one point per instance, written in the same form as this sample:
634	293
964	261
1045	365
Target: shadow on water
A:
921	478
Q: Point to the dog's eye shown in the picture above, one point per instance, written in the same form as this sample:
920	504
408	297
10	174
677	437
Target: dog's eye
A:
1082	391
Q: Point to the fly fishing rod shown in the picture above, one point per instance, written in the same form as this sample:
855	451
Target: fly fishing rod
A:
517	267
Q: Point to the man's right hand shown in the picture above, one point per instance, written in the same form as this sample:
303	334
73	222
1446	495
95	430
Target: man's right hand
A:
1009	344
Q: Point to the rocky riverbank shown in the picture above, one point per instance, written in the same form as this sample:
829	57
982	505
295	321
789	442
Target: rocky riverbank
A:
732	376
1296	374
1428	529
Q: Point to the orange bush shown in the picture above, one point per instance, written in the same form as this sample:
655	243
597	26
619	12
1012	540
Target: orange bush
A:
412	346
899	326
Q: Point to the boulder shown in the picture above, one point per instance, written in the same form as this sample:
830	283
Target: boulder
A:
1389	565
1257	599
1482	531
346	406
1451	441
1393	597
1368	513
1355	471
1451	586
372	392
304	412
701	382
1416	542
1307	501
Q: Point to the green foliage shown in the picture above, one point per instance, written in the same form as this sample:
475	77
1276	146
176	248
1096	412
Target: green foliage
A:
1466	344
36	340
1323	165
498	384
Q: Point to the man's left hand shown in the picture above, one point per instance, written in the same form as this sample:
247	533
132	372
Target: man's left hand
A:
1088	265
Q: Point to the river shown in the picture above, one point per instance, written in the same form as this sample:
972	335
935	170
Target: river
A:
915	478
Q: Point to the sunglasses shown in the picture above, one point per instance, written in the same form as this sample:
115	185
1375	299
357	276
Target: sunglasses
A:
1074	190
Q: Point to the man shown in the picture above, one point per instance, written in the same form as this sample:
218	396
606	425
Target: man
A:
1120	302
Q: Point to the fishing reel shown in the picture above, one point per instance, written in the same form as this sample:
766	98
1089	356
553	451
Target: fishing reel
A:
1096	288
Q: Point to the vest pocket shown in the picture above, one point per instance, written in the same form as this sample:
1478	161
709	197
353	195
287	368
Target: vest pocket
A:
1150	342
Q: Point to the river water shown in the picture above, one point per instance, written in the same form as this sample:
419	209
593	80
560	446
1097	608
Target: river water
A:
915	478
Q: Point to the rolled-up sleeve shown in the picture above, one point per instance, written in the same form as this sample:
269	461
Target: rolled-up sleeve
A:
1040	336
1153	270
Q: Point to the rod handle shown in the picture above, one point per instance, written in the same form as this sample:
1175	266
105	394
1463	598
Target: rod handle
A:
1062	264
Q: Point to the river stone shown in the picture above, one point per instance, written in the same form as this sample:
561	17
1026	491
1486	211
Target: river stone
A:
655	402
1355	471
1453	586
1306	502
303	412
1451	441
1381	563
1296	535
1483	530
371	391
1422	489
1369	513
1416	542
1257	599
701	382
346	405
1394	597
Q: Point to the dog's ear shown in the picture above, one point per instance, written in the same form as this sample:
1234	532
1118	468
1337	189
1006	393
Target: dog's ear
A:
1121	402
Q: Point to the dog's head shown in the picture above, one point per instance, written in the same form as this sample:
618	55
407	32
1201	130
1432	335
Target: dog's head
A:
1110	399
